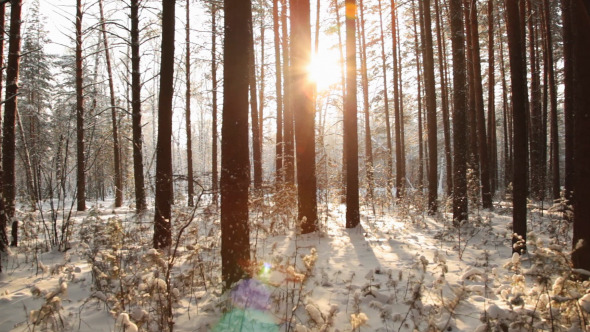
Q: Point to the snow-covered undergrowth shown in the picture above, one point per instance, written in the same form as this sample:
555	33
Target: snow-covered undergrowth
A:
401	270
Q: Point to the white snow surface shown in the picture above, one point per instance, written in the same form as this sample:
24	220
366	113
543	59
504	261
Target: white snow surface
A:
401	272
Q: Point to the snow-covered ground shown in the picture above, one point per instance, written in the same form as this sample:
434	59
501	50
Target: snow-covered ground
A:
401	270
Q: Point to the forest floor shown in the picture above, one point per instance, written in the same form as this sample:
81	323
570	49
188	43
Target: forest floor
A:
401	270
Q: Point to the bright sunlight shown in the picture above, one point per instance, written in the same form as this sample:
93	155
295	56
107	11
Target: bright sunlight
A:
324	69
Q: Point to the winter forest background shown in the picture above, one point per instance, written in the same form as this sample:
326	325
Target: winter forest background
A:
295	165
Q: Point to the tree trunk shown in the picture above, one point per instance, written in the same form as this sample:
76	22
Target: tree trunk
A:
536	119
442	56
555	187
520	167
3	215
568	101
140	202
417	51
235	163
400	169
389	174
366	111
114	120
430	109
214	175
484	164
189	138
459	114
278	88
164	192
81	162
350	120
492	139
256	151
302	91
288	136
580	18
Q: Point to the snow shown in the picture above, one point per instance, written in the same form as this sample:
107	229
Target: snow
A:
397	271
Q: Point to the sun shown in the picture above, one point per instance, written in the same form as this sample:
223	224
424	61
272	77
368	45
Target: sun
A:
324	69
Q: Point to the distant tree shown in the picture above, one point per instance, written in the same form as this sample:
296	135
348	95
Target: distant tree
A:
400	158
520	168
235	163
189	139
140	201
288	133
430	109
459	113
114	117
492	139
389	169
302	103
279	95
214	175
80	153
10	110
255	122
164	192
580	19
350	120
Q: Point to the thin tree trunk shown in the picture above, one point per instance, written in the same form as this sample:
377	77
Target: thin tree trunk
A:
366	111
164	191
507	122
492	139
114	120
442	56
350	121
256	151
430	108
189	138
482	145
288	161
4	219
343	83
302	91
235	163
278	88
555	187
389	174
81	162
417	51
214	174
140	201
520	173
400	168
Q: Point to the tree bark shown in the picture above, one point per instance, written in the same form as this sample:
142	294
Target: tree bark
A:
288	159
568	101
492	139
214	174
389	174
235	163
256	150
189	138
520	167
400	168
164	191
81	159
140	201
302	91
580	18
279	92
459	114
114	120
350	120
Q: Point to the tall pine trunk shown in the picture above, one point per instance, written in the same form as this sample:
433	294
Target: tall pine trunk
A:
350	121
302	103
214	138
187	114
114	119
81	159
235	163
164	192
520	162
140	201
279	92
255	123
459	114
